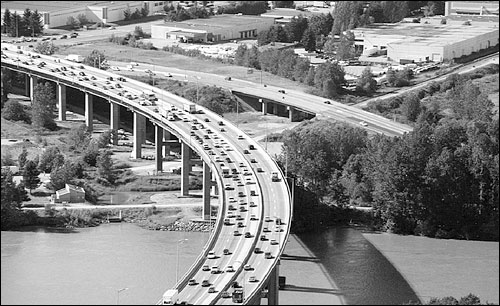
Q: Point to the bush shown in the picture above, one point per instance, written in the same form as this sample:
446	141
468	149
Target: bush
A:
13	110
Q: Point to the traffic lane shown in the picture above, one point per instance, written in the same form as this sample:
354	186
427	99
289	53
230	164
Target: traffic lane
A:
235	194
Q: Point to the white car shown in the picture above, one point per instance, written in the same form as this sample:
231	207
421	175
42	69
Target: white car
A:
211	255
363	123
115	68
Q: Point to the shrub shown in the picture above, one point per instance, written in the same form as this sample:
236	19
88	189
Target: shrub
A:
13	110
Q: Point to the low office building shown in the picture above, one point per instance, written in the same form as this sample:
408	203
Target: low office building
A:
425	42
213	29
56	13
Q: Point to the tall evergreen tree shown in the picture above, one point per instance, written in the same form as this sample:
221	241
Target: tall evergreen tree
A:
309	40
43	107
30	175
22	158
7	20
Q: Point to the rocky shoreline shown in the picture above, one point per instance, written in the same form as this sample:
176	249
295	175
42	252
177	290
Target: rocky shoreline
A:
178	226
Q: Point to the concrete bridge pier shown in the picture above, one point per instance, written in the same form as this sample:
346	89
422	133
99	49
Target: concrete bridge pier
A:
291	112
89	111
273	286
264	106
166	146
33	82
185	169
114	121
139	127
27	85
61	101
159	148
207	184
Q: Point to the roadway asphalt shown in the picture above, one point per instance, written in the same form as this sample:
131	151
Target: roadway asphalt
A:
274	194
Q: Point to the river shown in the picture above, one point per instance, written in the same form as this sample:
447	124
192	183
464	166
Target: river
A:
90	266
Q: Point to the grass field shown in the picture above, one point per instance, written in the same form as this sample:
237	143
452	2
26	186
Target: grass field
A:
158	57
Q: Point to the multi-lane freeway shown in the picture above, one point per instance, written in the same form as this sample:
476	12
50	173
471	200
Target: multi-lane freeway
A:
295	98
255	210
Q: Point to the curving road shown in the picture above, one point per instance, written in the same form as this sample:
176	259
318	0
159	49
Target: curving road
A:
252	174
300	100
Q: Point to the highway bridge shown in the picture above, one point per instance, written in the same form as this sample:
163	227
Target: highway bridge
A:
255	205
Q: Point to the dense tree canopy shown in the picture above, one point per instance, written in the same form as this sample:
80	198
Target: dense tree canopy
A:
440	180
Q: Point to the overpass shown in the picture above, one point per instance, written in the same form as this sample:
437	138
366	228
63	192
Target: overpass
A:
255	210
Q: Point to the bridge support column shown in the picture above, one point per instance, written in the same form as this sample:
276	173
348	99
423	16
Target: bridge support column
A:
27	86
166	145
264	106
291	112
114	121
207	184
139	127
186	166
214	189
273	286
61	101
33	83
159	148
89	111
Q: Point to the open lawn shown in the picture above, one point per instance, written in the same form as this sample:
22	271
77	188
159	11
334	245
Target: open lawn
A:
116	52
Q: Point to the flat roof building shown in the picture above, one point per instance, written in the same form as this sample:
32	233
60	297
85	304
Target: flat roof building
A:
213	29
426	42
56	13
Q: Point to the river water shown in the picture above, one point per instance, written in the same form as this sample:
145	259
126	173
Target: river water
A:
90	265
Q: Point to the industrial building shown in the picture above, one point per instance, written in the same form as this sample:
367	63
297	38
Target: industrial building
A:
213	29
425	42
56	13
474	10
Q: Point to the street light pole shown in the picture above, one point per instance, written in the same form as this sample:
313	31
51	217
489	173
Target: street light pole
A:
118	295
177	265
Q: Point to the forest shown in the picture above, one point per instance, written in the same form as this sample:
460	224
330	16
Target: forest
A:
440	180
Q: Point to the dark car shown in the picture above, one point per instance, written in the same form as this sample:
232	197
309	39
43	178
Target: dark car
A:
281	91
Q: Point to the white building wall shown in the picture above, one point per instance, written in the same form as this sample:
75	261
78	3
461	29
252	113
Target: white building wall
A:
417	53
466	47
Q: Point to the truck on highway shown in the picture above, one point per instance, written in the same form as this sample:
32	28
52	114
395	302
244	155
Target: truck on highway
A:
190	108
237	295
275	177
225	171
149	95
165	113
75	58
170	297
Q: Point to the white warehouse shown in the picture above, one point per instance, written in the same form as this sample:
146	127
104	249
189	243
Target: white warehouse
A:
427	42
215	28
56	13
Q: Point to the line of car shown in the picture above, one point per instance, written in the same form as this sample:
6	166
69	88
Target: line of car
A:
234	177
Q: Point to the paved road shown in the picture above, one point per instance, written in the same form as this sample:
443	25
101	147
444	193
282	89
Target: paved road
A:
270	198
463	69
314	104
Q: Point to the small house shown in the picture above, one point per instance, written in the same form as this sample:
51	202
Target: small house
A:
70	194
